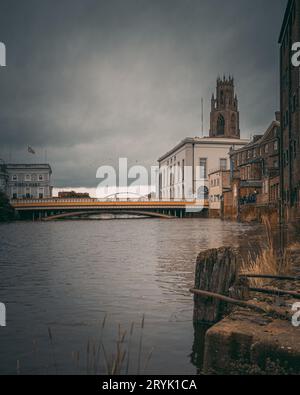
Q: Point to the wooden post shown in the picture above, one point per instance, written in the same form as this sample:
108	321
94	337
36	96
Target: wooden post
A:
216	271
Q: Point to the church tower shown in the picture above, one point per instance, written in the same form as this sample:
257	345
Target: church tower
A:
224	116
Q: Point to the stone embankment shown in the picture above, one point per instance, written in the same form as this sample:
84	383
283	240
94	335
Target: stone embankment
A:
242	340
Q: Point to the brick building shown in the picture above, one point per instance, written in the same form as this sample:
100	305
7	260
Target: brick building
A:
255	172
290	112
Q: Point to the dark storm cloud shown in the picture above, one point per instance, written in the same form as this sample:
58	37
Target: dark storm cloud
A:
92	80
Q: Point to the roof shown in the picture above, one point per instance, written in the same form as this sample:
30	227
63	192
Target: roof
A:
203	141
259	139
28	166
285	20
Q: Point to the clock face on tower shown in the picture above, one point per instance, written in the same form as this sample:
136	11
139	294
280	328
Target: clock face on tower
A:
224	117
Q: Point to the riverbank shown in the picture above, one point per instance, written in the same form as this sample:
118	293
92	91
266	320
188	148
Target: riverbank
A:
250	343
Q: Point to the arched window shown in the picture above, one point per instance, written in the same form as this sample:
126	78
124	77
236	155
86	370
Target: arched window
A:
233	124
222	97
221	126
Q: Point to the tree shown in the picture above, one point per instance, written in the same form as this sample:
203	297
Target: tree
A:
6	210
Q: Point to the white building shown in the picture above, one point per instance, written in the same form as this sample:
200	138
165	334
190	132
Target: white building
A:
29	181
184	170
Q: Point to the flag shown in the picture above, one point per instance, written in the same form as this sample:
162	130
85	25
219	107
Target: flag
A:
31	150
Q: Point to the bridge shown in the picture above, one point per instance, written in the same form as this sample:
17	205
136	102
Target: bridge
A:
57	208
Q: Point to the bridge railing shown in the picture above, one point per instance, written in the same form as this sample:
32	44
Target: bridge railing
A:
92	200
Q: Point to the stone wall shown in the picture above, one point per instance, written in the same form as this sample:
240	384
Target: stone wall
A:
254	213
248	343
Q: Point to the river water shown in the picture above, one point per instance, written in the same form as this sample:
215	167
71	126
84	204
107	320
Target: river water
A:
65	277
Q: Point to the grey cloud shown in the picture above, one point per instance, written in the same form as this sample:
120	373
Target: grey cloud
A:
92	80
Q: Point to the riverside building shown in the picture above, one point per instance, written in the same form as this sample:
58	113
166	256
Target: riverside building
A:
29	181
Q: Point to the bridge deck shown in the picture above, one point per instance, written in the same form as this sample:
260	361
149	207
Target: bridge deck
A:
48	204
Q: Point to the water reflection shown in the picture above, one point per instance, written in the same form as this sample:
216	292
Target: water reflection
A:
68	275
198	346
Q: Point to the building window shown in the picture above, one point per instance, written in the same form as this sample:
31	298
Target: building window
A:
27	177
223	164
41	177
28	196
286	119
221	126
41	193
203	168
266	187
286	158
14	177
294	103
276	145
266	149
14	194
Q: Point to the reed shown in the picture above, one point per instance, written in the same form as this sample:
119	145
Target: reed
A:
141	345
266	261
99	347
95	355
52	349
129	348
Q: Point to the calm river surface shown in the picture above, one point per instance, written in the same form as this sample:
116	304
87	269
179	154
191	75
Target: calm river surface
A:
67	276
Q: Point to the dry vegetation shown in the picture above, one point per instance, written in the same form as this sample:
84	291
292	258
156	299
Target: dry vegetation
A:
267	261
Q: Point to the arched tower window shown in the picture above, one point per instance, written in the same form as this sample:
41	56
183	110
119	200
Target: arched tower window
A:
222	97
221	125
233	124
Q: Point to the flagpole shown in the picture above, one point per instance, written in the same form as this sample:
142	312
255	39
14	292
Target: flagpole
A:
202	116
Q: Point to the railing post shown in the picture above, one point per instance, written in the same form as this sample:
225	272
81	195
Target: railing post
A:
216	271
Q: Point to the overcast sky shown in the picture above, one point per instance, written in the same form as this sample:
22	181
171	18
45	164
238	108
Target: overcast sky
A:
90	81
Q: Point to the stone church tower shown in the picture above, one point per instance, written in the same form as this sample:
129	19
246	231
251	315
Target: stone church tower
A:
224	116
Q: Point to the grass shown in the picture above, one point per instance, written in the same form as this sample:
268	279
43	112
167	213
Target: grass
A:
267	260
294	246
128	357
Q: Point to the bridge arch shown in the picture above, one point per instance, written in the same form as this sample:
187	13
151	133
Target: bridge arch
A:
65	215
